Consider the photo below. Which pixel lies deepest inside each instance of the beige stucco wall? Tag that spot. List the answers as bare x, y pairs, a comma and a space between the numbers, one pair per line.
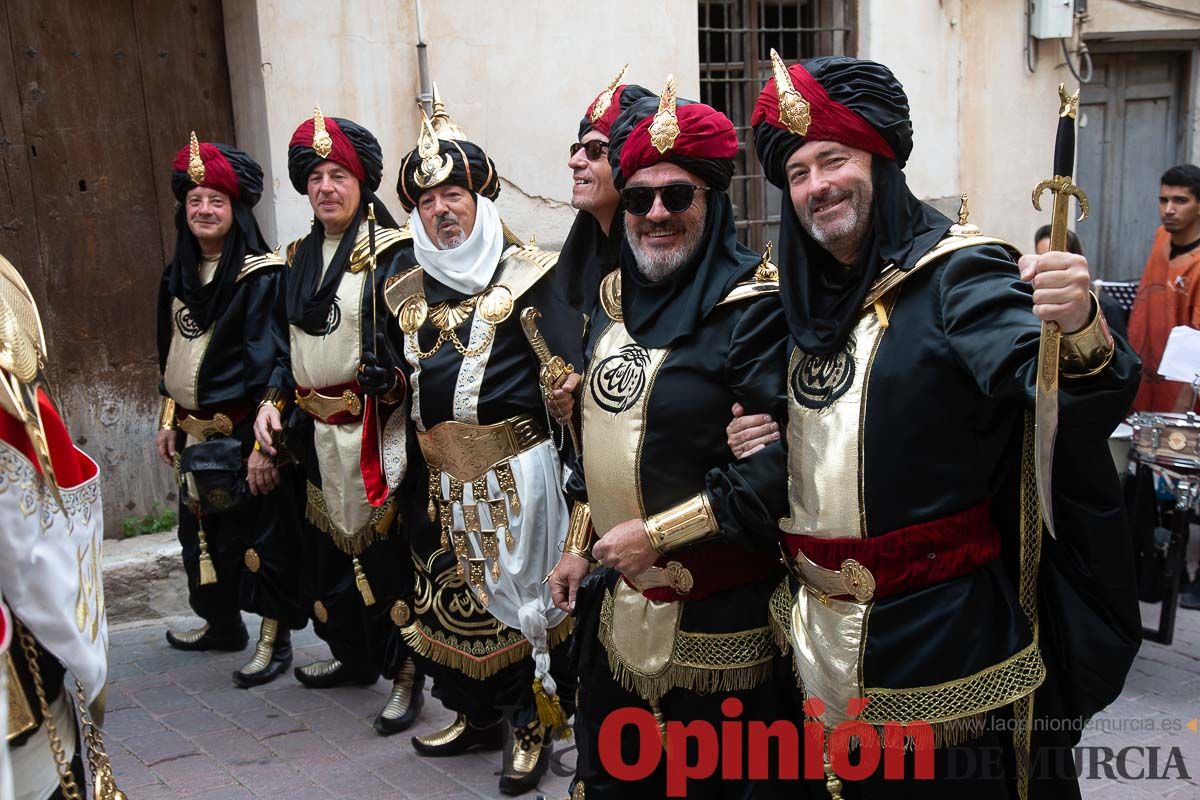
516, 76
983, 123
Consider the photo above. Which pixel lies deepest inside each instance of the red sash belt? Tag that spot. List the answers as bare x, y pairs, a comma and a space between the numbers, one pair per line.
713, 568
913, 557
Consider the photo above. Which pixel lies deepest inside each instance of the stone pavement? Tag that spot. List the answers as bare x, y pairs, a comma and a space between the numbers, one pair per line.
178, 729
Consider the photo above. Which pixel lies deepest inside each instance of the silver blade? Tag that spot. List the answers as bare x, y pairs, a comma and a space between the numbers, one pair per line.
1046, 419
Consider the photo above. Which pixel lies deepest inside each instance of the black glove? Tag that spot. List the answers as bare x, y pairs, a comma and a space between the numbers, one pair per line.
376, 376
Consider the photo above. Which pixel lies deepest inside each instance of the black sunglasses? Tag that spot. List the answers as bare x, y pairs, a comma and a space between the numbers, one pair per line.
595, 149
676, 197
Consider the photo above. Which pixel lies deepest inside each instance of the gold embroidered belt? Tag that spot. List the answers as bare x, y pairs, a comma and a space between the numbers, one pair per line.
466, 452
333, 405
201, 424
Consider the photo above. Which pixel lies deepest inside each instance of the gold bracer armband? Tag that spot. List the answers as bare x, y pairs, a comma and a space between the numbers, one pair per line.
580, 531
1087, 352
274, 397
682, 524
166, 415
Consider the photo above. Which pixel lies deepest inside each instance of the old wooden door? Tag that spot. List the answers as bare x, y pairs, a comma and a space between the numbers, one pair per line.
95, 98
1130, 132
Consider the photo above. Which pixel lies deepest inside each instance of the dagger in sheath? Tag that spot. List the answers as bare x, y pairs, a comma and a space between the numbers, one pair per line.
1063, 188
554, 370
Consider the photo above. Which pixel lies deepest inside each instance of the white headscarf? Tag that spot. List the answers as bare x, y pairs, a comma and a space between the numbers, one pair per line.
468, 268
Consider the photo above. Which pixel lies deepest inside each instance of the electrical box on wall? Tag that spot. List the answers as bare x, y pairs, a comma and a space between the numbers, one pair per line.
1052, 19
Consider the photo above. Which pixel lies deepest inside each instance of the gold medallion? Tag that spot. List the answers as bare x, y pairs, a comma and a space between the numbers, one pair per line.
400, 613
496, 304
319, 612
413, 313
857, 580
253, 562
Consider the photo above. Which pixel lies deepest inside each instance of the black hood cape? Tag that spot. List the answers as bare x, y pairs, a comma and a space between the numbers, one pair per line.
309, 293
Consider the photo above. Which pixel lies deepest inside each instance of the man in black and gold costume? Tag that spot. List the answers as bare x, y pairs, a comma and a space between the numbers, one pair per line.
339, 371
678, 622
489, 526
51, 531
593, 244
922, 582
216, 352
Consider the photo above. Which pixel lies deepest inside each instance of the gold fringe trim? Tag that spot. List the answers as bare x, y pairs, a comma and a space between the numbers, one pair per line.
949, 733
446, 650
780, 606
701, 663
352, 544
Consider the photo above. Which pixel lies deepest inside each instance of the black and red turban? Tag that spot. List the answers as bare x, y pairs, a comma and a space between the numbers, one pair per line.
603, 111
232, 172
213, 165
334, 139
854, 102
704, 141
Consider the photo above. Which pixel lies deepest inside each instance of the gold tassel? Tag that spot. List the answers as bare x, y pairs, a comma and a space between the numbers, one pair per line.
881, 312
550, 711
833, 784
659, 720
364, 588
208, 573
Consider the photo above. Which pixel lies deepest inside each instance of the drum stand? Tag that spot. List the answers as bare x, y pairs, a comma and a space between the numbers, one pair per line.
1187, 490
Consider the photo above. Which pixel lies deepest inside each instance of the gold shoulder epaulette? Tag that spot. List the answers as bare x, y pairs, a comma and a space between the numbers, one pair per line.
766, 281
22, 340
610, 295
289, 253
400, 288
385, 239
255, 263
891, 277
523, 266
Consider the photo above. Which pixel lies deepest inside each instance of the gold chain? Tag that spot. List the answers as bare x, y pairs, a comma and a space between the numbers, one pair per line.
97, 755
66, 779
443, 317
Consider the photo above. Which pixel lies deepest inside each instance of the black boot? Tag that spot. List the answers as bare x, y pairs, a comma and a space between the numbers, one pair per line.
331, 672
208, 638
272, 656
460, 737
529, 760
404, 703
1189, 594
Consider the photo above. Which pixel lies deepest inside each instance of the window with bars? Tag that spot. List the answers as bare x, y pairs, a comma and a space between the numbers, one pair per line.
736, 37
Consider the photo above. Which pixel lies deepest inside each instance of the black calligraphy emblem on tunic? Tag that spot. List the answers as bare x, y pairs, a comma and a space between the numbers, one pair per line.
619, 380
333, 320
818, 381
186, 324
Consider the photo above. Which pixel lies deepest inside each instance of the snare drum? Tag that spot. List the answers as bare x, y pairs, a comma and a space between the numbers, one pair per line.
1171, 440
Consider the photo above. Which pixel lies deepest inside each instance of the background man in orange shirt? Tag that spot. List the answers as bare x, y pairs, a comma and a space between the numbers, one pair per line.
1169, 293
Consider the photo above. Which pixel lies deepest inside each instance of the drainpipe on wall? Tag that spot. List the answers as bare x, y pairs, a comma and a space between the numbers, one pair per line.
425, 98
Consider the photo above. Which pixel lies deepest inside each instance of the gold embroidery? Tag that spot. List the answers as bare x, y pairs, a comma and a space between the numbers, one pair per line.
653, 656
351, 543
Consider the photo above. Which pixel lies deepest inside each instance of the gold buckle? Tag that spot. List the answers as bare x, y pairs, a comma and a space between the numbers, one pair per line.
325, 407
201, 429
673, 576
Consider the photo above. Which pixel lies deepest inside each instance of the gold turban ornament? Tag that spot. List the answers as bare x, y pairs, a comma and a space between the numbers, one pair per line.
604, 99
195, 163
665, 127
322, 143
794, 111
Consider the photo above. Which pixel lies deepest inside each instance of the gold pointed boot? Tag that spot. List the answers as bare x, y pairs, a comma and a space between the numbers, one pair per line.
404, 703
529, 760
332, 672
460, 737
272, 656
207, 638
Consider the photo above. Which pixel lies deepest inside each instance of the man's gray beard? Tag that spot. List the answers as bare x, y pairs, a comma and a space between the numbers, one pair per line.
452, 243
852, 226
659, 266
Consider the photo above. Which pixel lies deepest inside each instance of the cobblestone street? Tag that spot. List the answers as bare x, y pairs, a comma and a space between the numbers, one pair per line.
178, 728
